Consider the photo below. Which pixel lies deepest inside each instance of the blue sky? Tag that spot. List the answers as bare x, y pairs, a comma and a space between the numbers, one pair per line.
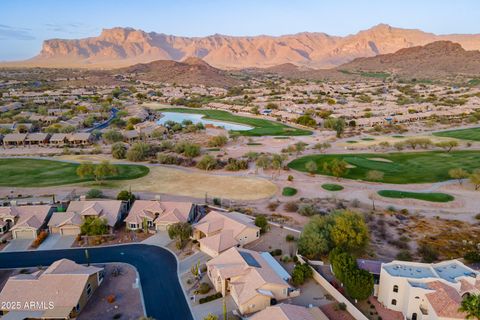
24, 24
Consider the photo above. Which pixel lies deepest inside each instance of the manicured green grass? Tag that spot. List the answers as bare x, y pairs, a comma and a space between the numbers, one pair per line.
261, 127
368, 139
399, 136
43, 173
254, 144
425, 196
332, 187
378, 75
289, 191
404, 167
464, 134
352, 141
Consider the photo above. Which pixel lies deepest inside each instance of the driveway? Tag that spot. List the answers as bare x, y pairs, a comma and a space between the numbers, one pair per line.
18, 245
160, 239
57, 241
187, 263
163, 296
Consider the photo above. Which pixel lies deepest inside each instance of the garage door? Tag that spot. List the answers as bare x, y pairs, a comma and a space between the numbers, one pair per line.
70, 231
24, 234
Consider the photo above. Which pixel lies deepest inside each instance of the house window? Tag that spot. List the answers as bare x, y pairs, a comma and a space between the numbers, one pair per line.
394, 302
395, 288
133, 226
258, 234
77, 307
89, 289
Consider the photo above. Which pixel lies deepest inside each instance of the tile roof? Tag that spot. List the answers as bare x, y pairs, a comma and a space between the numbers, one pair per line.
246, 279
62, 284
108, 209
286, 311
27, 216
445, 300
59, 219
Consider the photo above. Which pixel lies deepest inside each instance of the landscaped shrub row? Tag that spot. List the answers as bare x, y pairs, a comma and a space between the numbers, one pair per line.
209, 298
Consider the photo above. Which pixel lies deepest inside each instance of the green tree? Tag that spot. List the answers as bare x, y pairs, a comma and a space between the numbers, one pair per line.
342, 263
336, 124
359, 284
94, 226
311, 167
138, 152
262, 223
103, 170
126, 195
301, 273
471, 306
459, 174
315, 239
447, 145
180, 232
94, 194
85, 169
349, 230
475, 178
112, 136
336, 168
119, 150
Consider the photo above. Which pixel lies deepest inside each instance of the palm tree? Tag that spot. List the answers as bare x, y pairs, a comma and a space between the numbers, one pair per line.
471, 306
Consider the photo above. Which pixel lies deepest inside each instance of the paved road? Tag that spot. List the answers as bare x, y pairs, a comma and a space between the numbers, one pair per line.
162, 293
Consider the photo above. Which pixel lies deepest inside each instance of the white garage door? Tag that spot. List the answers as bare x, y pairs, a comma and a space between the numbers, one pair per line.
70, 231
24, 234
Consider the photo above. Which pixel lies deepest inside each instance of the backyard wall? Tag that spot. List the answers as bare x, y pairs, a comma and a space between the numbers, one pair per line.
357, 314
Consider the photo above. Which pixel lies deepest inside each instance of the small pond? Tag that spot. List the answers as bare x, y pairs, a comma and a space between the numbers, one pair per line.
196, 118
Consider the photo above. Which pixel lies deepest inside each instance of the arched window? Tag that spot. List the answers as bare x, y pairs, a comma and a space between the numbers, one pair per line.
394, 302
395, 288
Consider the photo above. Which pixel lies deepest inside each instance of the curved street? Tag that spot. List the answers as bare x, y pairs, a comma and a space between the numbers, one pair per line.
163, 296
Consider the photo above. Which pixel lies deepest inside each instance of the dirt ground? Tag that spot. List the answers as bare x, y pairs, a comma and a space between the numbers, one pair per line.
127, 297
332, 313
197, 184
273, 239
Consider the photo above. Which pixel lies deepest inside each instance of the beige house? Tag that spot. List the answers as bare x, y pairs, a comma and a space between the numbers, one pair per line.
286, 311
219, 231
14, 139
59, 139
80, 138
25, 222
111, 210
253, 282
65, 223
59, 292
157, 214
37, 138
422, 291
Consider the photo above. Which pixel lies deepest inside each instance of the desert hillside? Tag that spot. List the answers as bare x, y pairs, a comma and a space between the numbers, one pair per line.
191, 71
437, 59
120, 47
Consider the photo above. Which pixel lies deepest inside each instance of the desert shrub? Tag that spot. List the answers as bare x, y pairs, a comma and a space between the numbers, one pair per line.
307, 210
404, 255
276, 252
428, 253
203, 288
290, 238
272, 206
262, 223
301, 273
472, 256
291, 206
94, 194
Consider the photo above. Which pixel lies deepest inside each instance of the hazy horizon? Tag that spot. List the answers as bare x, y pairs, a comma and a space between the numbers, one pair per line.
25, 24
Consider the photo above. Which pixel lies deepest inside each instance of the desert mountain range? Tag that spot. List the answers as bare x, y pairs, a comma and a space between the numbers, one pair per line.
121, 47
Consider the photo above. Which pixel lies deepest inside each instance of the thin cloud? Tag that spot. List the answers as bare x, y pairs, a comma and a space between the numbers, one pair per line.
69, 28
10, 32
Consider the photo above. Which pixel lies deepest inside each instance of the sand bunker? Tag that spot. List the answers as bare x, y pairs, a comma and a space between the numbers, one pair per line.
380, 159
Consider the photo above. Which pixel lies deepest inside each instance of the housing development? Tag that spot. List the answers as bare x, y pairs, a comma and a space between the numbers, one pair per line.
290, 177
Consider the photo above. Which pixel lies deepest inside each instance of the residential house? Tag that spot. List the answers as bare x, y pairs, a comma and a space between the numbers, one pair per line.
80, 138
65, 223
37, 138
219, 231
253, 283
25, 222
59, 139
110, 210
59, 292
14, 139
285, 311
422, 291
158, 215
